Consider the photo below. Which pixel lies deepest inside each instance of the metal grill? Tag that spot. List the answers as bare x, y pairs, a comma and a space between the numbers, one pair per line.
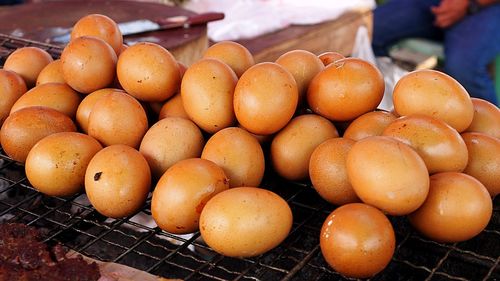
136, 242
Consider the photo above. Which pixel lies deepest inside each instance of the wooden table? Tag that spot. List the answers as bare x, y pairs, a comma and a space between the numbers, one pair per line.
335, 35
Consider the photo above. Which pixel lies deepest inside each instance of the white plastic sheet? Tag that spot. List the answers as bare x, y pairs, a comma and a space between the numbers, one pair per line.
251, 18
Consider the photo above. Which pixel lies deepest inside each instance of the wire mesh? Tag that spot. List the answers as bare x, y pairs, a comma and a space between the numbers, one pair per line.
135, 241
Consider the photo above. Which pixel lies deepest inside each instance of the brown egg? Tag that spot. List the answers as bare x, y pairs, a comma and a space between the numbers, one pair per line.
117, 181
56, 164
440, 146
28, 62
245, 221
387, 174
118, 118
292, 147
265, 98
58, 96
457, 208
346, 89
51, 73
148, 72
182, 192
207, 91
25, 127
328, 174
88, 64
169, 141
182, 68
357, 240
12, 87
484, 160
86, 105
486, 118
122, 48
436, 94
330, 57
369, 124
99, 26
153, 107
303, 65
173, 107
239, 154
233, 54
262, 139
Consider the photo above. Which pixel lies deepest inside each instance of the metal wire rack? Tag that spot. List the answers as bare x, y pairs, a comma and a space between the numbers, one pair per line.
136, 242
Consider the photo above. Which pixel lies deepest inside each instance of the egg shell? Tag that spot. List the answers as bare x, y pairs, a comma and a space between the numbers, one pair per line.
387, 174
28, 62
369, 124
457, 208
86, 105
173, 107
51, 73
169, 141
100, 26
148, 72
486, 118
118, 118
182, 68
233, 54
357, 240
122, 48
440, 146
58, 96
328, 173
56, 164
245, 221
88, 64
292, 147
207, 91
346, 89
265, 98
153, 107
262, 139
117, 181
303, 65
182, 192
435, 94
25, 127
484, 160
329, 57
12, 87
239, 154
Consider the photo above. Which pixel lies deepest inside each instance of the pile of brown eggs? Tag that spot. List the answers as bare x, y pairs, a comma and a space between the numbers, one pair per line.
121, 121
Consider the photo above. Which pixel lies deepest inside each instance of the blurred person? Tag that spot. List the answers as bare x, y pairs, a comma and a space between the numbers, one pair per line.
469, 30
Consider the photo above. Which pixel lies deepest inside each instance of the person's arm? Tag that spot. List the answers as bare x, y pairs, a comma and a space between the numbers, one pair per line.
449, 12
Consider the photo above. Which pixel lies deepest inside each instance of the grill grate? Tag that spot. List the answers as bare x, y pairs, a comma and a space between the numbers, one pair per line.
136, 242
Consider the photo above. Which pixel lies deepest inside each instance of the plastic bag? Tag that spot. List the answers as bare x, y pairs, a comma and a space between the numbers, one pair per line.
246, 19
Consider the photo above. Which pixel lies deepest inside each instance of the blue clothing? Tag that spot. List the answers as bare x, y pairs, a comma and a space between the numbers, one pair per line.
10, 2
470, 45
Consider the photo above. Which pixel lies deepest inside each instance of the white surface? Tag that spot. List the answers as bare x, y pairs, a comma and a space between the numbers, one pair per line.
251, 18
